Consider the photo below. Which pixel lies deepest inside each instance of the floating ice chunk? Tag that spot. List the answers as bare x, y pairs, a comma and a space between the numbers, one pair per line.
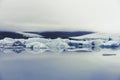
111, 45
37, 46
42, 40
57, 45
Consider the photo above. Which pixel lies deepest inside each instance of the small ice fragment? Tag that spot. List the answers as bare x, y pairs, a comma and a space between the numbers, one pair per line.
109, 54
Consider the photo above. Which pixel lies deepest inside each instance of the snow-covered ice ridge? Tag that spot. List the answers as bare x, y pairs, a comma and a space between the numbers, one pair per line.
87, 43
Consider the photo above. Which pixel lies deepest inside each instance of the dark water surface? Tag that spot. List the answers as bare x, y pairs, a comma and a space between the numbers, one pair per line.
72, 66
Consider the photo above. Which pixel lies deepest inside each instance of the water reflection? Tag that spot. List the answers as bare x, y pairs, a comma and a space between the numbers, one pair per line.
60, 67
17, 47
19, 50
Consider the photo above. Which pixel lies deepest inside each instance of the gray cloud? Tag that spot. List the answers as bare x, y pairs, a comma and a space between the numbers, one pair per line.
60, 15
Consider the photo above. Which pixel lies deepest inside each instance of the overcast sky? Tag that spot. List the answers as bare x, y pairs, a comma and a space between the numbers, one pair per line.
40, 15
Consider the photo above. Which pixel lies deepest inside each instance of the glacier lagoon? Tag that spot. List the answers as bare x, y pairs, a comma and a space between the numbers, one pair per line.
89, 57
60, 66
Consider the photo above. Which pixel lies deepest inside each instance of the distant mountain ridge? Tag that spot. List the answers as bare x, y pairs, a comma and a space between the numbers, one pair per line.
46, 34
61, 34
11, 34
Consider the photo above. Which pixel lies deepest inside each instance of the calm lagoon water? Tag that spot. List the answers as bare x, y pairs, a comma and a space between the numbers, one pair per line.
56, 66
